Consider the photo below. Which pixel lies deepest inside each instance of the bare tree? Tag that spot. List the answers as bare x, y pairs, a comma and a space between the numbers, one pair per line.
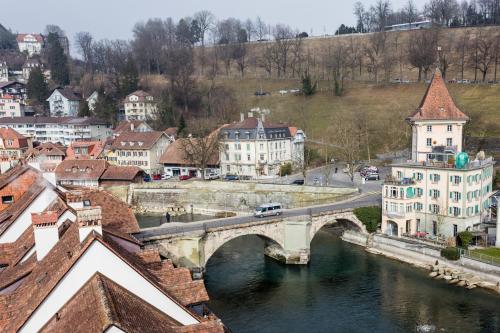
422, 51
205, 20
202, 148
84, 45
283, 41
486, 53
381, 12
374, 51
260, 28
462, 46
442, 11
410, 12
348, 139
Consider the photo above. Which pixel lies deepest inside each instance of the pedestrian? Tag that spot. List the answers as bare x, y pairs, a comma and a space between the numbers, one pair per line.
336, 169
167, 216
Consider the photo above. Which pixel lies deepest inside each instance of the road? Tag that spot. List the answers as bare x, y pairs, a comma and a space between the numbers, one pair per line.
363, 200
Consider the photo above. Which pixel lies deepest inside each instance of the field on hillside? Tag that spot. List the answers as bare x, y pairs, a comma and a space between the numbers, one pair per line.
385, 107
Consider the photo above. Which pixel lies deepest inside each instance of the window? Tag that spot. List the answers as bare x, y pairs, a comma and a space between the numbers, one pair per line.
399, 175
237, 146
261, 157
409, 208
449, 128
7, 199
420, 176
449, 141
434, 194
429, 142
455, 196
394, 192
248, 157
418, 225
226, 155
261, 146
455, 227
455, 180
419, 206
433, 208
429, 128
86, 203
434, 228
408, 226
419, 191
248, 146
454, 211
434, 177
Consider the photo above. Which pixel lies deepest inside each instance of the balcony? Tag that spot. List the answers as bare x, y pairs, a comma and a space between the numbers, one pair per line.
394, 215
390, 180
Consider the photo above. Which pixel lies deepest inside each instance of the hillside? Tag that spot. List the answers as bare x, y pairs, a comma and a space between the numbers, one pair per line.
383, 106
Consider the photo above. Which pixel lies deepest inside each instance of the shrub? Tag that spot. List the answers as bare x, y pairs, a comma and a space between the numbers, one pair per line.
286, 169
450, 253
465, 238
371, 217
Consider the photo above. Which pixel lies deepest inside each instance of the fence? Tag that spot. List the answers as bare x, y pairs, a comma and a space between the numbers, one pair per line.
480, 257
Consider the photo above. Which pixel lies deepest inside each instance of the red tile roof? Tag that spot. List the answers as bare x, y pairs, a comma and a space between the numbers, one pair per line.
437, 103
44, 218
114, 172
18, 140
47, 149
94, 150
136, 140
38, 37
129, 126
80, 169
141, 94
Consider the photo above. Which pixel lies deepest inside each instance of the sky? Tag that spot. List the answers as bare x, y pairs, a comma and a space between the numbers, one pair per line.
114, 19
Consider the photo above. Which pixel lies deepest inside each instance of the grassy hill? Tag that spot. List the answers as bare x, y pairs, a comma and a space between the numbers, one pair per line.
384, 106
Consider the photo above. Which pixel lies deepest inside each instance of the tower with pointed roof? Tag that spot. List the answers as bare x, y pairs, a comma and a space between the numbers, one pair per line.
437, 124
438, 191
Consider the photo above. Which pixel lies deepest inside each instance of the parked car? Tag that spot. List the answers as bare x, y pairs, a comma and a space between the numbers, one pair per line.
261, 93
231, 177
283, 92
367, 170
298, 182
212, 175
165, 176
269, 209
157, 177
372, 176
295, 91
147, 178
185, 177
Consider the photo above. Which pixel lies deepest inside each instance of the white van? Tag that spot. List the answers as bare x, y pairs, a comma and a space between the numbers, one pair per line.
269, 209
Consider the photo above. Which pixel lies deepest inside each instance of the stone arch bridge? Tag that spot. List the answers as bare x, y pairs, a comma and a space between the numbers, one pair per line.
287, 238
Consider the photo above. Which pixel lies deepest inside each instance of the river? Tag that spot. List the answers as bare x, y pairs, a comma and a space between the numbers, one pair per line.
343, 289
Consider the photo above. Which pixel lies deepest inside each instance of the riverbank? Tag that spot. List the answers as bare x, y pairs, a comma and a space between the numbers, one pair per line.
463, 272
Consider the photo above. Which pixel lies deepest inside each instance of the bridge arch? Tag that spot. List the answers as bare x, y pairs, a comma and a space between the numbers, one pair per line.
215, 240
320, 221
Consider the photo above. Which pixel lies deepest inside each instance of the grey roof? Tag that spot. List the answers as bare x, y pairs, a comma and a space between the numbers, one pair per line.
68, 93
253, 128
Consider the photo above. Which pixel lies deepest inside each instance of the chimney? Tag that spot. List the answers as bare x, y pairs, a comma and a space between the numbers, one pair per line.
132, 127
45, 231
75, 199
263, 117
89, 220
242, 116
250, 114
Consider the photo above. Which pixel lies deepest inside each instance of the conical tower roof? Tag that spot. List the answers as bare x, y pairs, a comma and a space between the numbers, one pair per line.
437, 103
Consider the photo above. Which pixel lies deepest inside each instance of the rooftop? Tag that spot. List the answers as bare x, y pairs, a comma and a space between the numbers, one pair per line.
136, 140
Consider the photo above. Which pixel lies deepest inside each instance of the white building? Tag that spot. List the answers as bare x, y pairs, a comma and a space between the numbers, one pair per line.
64, 130
4, 72
30, 43
438, 191
142, 149
64, 103
253, 147
29, 64
92, 100
139, 105
10, 106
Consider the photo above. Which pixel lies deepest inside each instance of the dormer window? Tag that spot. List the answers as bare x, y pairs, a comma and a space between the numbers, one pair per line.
86, 203
123, 143
441, 109
7, 199
140, 143
131, 143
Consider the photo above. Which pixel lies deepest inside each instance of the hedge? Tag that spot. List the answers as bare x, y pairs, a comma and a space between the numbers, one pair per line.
450, 253
371, 217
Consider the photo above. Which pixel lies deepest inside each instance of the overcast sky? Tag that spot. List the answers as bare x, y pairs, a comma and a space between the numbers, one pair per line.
115, 18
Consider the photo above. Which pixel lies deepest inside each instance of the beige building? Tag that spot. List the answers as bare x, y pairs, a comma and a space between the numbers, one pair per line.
254, 147
139, 105
10, 106
439, 191
142, 149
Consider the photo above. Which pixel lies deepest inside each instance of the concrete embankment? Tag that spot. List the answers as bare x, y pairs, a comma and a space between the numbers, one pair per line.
464, 272
203, 197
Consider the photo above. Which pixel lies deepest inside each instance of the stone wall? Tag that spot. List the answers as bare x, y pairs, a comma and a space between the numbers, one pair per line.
236, 196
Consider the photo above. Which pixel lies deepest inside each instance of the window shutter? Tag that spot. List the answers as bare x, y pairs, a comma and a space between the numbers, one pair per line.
451, 179
451, 195
430, 176
449, 210
459, 196
430, 193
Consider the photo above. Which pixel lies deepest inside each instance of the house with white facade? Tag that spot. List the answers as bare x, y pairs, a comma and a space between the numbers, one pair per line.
440, 190
30, 43
29, 65
92, 100
64, 102
142, 149
64, 130
140, 105
254, 147
15, 89
10, 106
4, 72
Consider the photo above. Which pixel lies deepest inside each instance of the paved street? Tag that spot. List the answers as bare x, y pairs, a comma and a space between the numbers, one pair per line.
363, 200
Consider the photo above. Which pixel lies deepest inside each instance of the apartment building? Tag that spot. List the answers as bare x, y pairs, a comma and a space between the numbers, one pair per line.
64, 130
64, 102
30, 43
254, 147
10, 106
440, 191
142, 149
139, 105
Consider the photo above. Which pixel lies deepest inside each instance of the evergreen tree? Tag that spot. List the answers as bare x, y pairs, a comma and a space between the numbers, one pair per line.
166, 114
37, 87
84, 110
182, 126
308, 88
7, 39
57, 60
105, 107
130, 77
